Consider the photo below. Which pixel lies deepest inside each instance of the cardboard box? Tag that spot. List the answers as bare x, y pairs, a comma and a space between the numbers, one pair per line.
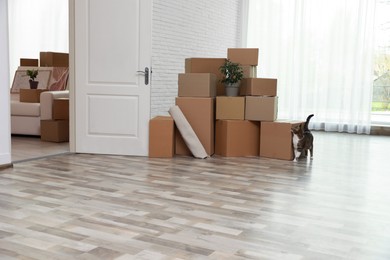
60, 109
161, 137
200, 114
197, 85
249, 71
55, 130
29, 62
207, 65
261, 108
258, 87
54, 59
244, 56
30, 95
230, 108
235, 138
276, 139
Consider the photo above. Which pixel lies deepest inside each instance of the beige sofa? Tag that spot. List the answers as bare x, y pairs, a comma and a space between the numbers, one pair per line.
26, 117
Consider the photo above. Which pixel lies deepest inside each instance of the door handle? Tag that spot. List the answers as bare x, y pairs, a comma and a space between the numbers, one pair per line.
146, 74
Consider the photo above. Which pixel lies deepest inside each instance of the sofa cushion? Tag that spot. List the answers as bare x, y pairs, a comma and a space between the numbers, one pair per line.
24, 108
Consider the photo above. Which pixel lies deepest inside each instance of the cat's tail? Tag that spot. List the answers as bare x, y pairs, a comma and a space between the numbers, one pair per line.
306, 126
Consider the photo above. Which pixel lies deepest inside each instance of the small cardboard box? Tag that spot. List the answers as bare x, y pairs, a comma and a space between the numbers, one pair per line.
29, 62
276, 139
230, 108
249, 71
55, 130
244, 56
234, 138
60, 109
30, 95
53, 59
207, 65
200, 114
261, 108
161, 137
197, 85
258, 87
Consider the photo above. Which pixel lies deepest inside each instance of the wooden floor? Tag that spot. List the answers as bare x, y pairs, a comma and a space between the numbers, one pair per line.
81, 206
26, 147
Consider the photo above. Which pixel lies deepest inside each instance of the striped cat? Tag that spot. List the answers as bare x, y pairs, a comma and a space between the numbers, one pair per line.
302, 140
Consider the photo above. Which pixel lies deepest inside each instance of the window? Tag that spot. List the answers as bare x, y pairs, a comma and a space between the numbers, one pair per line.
381, 86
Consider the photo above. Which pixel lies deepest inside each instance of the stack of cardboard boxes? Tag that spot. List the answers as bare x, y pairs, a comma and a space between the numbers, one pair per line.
198, 87
234, 134
229, 126
57, 129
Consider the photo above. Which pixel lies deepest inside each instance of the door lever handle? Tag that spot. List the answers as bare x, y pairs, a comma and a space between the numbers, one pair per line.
146, 74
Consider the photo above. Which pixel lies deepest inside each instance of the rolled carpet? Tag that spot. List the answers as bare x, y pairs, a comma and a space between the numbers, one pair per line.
188, 134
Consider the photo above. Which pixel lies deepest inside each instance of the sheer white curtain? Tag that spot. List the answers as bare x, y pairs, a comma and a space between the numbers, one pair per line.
321, 53
35, 26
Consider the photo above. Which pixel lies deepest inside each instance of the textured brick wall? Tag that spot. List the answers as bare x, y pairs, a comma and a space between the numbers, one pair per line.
184, 29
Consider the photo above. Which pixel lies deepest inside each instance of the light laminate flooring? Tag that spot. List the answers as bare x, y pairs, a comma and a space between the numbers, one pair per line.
24, 147
83, 206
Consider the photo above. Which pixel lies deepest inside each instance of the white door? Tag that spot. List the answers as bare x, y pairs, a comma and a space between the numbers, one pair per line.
112, 99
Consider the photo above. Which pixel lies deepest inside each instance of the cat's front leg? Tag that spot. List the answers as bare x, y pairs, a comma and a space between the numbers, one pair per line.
297, 155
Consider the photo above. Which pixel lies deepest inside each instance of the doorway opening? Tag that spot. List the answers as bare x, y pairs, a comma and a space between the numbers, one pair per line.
34, 27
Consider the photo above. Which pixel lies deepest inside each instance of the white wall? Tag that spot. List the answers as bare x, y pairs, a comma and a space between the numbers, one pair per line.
184, 29
5, 129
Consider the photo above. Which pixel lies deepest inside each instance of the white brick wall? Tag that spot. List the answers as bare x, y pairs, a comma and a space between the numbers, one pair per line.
184, 29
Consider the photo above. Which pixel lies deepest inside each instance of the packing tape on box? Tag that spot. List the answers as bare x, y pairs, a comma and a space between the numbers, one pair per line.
188, 134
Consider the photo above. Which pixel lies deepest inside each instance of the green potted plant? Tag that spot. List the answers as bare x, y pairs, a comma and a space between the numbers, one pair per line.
232, 77
33, 74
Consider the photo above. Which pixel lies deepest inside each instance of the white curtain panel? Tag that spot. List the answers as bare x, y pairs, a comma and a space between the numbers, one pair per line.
35, 26
321, 52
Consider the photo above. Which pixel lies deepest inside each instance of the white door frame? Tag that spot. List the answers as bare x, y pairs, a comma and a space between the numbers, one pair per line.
72, 109
5, 113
